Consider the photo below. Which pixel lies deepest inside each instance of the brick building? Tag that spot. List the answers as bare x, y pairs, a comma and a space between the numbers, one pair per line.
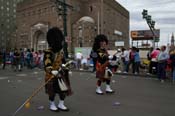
85, 19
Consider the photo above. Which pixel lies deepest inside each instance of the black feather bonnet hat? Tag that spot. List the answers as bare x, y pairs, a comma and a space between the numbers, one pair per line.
55, 39
99, 38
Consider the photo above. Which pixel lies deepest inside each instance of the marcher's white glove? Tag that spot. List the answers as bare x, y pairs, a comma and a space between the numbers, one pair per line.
67, 64
110, 57
63, 65
54, 72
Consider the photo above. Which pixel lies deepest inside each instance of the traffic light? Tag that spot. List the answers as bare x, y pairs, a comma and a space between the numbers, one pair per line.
148, 19
145, 13
153, 24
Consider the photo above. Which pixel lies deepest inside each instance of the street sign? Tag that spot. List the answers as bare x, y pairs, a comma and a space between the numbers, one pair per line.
119, 43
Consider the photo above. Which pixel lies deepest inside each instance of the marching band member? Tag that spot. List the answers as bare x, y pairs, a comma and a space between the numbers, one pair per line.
56, 71
103, 74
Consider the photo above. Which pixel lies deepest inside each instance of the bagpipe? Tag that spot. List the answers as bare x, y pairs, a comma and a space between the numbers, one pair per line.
63, 77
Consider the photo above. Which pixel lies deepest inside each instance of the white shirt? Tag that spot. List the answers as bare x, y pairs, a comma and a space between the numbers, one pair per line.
125, 55
78, 55
84, 61
163, 55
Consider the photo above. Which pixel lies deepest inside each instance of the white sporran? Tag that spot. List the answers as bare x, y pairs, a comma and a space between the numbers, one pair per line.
108, 73
62, 85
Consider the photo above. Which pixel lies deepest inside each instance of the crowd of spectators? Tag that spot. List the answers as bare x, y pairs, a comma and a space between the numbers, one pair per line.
125, 60
20, 58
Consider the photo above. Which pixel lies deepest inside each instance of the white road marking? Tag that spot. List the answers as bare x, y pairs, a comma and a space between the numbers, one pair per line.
35, 72
2, 78
21, 75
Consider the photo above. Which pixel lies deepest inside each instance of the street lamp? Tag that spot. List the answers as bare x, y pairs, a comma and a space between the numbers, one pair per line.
62, 7
150, 23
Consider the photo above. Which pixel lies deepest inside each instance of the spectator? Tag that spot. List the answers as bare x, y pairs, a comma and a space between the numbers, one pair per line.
3, 59
17, 60
118, 55
93, 55
153, 63
149, 53
12, 57
22, 59
172, 58
131, 58
162, 61
41, 55
84, 63
29, 58
125, 59
136, 61
78, 57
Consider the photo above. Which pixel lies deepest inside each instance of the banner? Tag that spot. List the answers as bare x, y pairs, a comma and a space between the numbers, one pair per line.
144, 34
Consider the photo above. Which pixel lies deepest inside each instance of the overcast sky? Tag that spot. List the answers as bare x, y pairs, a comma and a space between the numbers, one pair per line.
162, 11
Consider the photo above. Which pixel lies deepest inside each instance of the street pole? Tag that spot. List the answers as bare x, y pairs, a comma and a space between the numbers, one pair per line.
65, 28
101, 7
63, 13
154, 38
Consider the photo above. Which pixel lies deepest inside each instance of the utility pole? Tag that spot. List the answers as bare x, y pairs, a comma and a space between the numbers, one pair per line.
102, 17
62, 8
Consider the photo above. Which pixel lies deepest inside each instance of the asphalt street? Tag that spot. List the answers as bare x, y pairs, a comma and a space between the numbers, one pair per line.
134, 95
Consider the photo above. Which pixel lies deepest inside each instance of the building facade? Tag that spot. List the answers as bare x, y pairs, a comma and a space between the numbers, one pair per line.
85, 19
7, 22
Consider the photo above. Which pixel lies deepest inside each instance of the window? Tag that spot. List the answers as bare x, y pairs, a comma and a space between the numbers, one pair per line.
2, 7
39, 11
8, 20
14, 5
8, 27
91, 8
7, 3
8, 8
